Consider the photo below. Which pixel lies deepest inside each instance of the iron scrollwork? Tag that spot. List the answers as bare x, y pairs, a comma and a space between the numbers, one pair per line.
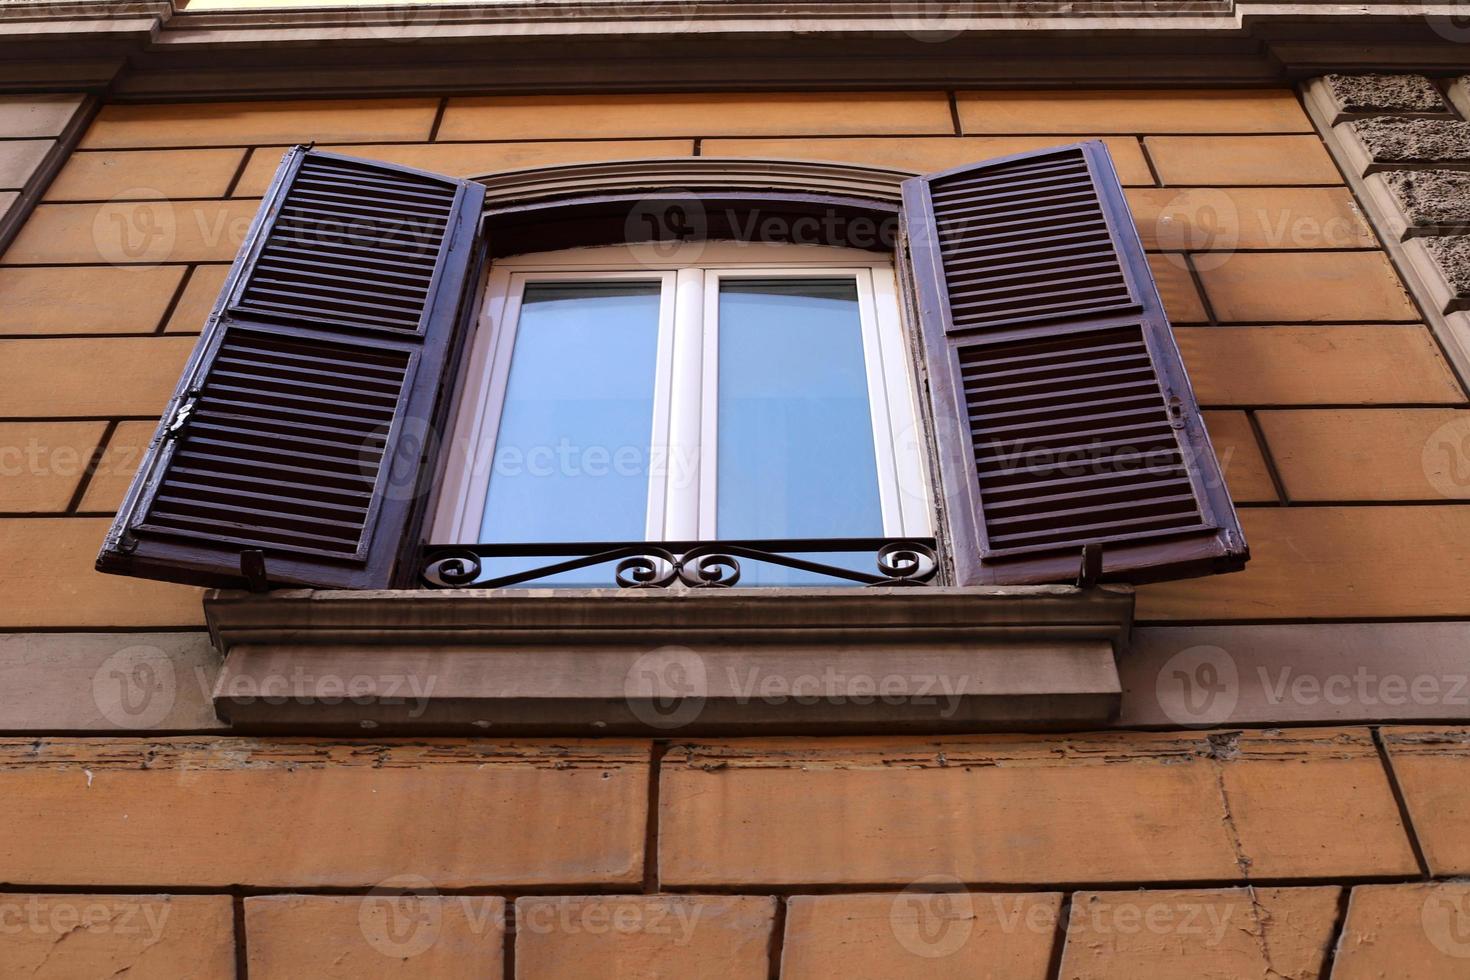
694, 565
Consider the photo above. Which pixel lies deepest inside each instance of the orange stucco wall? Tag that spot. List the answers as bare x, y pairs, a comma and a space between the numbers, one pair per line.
1337, 421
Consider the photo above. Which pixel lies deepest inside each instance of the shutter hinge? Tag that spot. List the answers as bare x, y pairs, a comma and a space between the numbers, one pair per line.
1176, 412
1091, 568
252, 569
180, 419
120, 541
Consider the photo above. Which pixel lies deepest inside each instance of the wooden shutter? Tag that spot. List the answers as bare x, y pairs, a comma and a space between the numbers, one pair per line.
1063, 416
303, 420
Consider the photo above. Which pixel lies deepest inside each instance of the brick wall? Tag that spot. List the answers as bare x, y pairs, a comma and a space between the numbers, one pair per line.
1327, 398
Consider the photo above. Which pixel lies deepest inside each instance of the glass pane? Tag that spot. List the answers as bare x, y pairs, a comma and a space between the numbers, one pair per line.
795, 444
571, 456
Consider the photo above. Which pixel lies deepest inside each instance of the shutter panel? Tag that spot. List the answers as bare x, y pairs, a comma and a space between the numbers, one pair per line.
305, 417
1063, 416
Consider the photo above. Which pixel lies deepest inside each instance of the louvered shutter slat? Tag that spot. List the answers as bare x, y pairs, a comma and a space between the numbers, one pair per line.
330, 342
1062, 411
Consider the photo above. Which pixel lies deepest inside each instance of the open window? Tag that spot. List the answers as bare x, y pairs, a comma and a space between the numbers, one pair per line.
365, 389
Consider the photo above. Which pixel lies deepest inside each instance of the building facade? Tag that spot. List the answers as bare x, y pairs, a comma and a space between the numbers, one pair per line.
1204, 713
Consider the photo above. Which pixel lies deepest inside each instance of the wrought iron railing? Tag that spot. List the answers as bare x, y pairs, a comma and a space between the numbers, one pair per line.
691, 564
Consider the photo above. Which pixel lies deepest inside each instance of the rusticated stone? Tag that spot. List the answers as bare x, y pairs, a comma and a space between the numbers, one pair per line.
1451, 253
1384, 93
1392, 139
1431, 197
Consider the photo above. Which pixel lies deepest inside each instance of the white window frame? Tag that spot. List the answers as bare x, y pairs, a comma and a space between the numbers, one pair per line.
681, 501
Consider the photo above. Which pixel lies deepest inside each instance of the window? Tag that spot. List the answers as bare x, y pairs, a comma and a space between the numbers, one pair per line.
629, 395
723, 392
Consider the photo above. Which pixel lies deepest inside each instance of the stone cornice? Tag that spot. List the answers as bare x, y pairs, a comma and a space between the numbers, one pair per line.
150, 49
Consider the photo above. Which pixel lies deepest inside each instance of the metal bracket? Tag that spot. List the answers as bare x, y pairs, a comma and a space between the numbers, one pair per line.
1176, 413
252, 566
180, 418
1092, 566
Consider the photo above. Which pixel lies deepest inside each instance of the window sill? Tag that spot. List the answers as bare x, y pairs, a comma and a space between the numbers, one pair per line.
670, 662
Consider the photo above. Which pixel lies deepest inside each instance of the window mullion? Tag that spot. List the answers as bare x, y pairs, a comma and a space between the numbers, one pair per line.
709, 415
677, 461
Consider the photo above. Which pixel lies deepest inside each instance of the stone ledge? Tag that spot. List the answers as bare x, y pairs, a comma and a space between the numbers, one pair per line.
554, 661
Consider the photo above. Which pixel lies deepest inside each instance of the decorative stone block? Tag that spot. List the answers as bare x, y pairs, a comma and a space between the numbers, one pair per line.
1393, 140
1421, 202
1451, 255
1384, 93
